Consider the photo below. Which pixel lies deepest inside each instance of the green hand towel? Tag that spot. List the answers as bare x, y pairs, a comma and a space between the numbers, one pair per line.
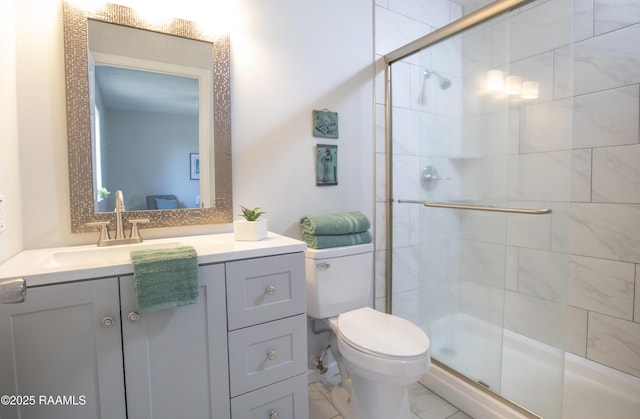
337, 223
324, 241
165, 278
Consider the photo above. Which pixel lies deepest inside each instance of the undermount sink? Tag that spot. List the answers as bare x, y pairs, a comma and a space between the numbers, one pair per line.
98, 256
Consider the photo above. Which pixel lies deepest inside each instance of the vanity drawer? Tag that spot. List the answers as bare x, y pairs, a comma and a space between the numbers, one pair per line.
287, 399
265, 289
270, 352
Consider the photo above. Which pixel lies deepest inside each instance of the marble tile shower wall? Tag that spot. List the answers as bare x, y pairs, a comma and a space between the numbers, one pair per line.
604, 293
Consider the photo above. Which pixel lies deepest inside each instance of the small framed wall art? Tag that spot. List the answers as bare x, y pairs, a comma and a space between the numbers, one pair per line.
195, 166
326, 165
325, 124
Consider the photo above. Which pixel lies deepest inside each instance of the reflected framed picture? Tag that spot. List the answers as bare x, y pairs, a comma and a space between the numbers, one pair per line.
326, 165
195, 166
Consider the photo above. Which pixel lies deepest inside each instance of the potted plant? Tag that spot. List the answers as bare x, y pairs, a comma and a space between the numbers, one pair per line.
250, 228
103, 193
101, 202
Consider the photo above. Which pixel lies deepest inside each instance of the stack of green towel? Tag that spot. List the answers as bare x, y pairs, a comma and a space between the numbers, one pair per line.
321, 231
165, 278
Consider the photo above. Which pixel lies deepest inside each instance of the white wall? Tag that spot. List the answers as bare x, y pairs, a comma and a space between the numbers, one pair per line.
41, 115
288, 58
11, 238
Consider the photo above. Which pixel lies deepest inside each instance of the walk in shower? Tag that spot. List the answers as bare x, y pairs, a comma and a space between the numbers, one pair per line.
479, 120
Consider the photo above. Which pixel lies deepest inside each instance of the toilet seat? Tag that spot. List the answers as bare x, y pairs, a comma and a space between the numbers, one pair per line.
382, 335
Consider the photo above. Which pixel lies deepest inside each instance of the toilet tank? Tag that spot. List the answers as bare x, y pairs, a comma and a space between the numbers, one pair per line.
339, 279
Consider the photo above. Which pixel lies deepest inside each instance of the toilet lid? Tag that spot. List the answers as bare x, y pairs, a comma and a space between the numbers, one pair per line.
382, 334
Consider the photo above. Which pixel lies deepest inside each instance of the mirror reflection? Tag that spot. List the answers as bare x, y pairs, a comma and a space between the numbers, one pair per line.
145, 111
148, 112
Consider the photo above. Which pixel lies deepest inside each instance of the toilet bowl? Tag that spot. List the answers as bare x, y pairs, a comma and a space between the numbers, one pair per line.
381, 354
383, 345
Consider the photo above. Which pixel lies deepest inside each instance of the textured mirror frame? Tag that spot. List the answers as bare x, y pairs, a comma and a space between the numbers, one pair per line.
79, 125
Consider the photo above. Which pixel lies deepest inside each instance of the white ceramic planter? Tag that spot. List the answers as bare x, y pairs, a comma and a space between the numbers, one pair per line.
244, 230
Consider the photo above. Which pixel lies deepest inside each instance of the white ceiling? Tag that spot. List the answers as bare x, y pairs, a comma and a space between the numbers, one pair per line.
128, 89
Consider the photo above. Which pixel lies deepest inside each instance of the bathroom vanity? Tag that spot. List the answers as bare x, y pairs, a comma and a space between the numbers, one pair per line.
78, 348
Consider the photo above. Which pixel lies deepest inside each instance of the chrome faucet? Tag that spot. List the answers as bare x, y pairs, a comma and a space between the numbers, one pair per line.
134, 237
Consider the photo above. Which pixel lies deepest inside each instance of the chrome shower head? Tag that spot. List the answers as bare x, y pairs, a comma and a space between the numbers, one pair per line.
444, 82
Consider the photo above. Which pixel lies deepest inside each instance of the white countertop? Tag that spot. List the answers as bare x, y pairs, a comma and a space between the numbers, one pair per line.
63, 264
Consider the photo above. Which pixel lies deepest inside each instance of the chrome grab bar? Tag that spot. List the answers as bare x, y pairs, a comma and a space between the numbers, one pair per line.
541, 211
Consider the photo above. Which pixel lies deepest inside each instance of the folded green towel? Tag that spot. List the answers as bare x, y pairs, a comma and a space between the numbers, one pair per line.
165, 278
316, 241
337, 223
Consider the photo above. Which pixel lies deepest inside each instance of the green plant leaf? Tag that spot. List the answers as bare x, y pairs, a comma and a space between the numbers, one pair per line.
251, 214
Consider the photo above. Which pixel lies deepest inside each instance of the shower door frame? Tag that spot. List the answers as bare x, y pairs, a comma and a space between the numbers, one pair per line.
492, 10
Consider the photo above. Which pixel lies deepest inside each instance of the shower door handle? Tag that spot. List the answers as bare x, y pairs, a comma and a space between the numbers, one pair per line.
452, 205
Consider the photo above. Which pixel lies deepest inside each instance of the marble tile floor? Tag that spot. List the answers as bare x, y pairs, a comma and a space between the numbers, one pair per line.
424, 404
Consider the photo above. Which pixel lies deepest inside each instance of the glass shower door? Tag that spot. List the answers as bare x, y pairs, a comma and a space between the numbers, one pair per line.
477, 119
448, 264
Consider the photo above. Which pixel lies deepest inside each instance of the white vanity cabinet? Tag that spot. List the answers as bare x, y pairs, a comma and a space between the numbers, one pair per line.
80, 347
61, 353
71, 340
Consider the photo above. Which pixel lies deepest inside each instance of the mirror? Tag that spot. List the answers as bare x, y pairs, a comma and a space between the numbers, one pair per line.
150, 115
176, 169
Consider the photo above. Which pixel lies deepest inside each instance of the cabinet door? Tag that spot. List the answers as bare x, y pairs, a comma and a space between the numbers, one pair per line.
61, 352
176, 360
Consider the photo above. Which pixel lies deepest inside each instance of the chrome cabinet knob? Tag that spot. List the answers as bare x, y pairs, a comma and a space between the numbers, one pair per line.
270, 290
107, 322
134, 317
272, 355
274, 415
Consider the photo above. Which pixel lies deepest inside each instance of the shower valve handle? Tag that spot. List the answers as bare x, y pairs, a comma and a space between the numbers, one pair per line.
431, 177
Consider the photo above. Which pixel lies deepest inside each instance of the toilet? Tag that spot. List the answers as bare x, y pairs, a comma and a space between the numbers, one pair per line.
379, 355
